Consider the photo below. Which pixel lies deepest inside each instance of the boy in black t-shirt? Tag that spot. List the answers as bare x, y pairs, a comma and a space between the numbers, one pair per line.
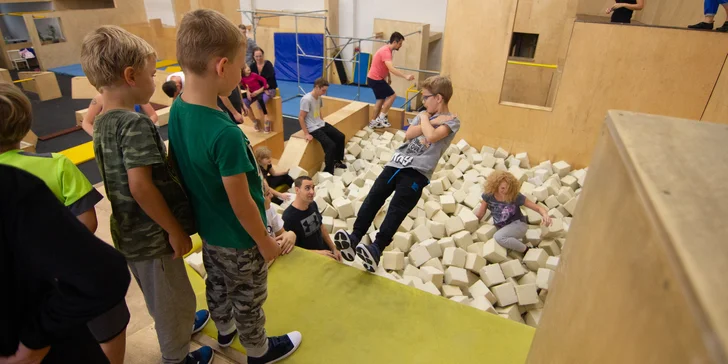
304, 219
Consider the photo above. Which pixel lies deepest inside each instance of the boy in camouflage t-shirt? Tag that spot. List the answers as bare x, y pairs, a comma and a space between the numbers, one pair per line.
132, 160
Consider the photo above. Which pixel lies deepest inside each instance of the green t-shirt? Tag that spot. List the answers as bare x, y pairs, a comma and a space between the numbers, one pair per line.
61, 176
207, 145
124, 140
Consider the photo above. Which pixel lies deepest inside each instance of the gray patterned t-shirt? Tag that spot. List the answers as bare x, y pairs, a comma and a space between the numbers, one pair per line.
505, 213
421, 155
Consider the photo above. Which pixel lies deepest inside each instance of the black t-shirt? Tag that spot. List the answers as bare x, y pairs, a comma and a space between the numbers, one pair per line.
623, 15
268, 72
307, 226
235, 99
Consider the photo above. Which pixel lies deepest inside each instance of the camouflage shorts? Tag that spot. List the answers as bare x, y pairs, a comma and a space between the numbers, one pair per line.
236, 290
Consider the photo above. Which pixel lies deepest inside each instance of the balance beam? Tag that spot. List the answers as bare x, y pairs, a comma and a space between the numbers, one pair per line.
381, 321
80, 153
309, 155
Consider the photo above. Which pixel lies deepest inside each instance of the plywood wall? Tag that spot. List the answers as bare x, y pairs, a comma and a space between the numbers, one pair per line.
162, 38
76, 24
675, 13
413, 53
527, 85
607, 67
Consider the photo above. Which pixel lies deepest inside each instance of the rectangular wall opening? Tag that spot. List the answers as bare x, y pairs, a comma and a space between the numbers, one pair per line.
523, 46
49, 30
84, 4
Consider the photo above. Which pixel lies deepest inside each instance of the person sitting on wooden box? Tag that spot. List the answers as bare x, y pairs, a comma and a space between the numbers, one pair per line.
277, 180
304, 219
255, 85
314, 127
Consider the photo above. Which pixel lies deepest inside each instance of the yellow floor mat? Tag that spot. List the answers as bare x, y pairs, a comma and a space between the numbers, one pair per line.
173, 69
165, 63
80, 153
349, 316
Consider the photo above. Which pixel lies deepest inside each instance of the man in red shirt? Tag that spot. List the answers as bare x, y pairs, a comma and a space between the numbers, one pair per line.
379, 79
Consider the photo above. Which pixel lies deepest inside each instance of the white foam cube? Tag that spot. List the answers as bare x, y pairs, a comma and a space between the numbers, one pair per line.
449, 291
456, 276
535, 258
429, 287
435, 263
446, 242
511, 312
393, 260
494, 252
474, 263
432, 274
527, 278
472, 200
354, 149
552, 202
437, 229
533, 236
454, 225
476, 248
431, 208
544, 278
533, 317
419, 255
411, 271
328, 222
470, 221
440, 217
421, 233
561, 168
482, 303
513, 268
534, 218
296, 172
459, 196
454, 174
527, 294
505, 293
565, 194
570, 205
448, 204
551, 247
402, 241
454, 257
432, 247
500, 153
492, 275
486, 232
462, 145
552, 263
523, 158
556, 229
344, 207
462, 239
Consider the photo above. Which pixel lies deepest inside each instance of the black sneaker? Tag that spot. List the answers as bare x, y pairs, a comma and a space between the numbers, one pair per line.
340, 165
370, 254
723, 28
702, 26
279, 348
225, 340
203, 355
346, 244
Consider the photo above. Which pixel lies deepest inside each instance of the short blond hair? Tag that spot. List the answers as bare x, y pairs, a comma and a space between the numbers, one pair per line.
203, 35
107, 51
16, 115
262, 153
496, 178
439, 85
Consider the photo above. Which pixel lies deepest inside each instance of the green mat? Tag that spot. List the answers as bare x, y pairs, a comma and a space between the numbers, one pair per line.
349, 316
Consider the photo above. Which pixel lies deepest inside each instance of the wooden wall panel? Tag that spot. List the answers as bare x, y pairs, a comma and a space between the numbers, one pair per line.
717, 109
413, 53
639, 286
527, 85
76, 24
607, 67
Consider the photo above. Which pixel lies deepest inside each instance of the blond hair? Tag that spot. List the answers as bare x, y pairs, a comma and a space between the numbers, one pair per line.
205, 34
439, 85
496, 178
107, 51
16, 114
262, 153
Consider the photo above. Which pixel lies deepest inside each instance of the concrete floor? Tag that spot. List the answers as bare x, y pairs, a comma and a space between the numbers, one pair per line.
141, 339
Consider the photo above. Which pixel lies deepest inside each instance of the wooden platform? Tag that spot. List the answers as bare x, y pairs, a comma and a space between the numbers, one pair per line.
642, 275
309, 155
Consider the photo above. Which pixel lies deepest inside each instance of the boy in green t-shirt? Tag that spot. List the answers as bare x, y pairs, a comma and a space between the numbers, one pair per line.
224, 183
144, 196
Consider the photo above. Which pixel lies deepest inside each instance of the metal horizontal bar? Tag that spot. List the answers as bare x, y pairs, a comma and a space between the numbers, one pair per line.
416, 70
531, 64
415, 32
326, 58
358, 39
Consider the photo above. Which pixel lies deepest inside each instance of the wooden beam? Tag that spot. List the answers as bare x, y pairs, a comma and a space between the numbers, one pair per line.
435, 36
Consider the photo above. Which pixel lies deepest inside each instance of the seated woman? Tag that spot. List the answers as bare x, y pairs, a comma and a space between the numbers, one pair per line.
274, 178
255, 85
264, 68
96, 108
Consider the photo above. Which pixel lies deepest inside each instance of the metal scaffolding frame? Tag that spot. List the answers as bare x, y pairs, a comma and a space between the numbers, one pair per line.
252, 16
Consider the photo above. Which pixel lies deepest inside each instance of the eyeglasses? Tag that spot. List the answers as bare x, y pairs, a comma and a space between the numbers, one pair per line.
425, 97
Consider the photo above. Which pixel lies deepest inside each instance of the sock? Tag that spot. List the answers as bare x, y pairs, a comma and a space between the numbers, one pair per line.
382, 115
257, 352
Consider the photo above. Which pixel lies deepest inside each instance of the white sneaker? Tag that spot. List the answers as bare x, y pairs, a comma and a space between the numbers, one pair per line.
385, 122
376, 124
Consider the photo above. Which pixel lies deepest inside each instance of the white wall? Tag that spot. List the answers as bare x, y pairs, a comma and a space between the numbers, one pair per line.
160, 9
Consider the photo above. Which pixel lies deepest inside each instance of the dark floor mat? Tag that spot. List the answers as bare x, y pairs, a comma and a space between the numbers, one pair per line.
290, 126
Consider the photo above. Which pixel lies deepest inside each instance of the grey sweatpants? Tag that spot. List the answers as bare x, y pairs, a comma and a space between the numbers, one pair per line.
511, 236
237, 287
170, 301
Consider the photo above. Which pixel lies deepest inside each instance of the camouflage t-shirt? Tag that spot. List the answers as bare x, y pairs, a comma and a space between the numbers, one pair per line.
124, 140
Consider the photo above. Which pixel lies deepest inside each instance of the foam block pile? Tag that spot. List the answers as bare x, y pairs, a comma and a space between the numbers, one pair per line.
441, 247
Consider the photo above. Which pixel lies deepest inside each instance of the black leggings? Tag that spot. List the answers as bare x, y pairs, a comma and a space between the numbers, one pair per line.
276, 181
407, 185
261, 102
333, 142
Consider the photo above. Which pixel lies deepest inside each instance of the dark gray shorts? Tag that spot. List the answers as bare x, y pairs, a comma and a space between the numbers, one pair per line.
111, 323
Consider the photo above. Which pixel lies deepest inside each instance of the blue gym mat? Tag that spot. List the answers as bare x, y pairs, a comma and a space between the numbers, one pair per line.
292, 107
75, 70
